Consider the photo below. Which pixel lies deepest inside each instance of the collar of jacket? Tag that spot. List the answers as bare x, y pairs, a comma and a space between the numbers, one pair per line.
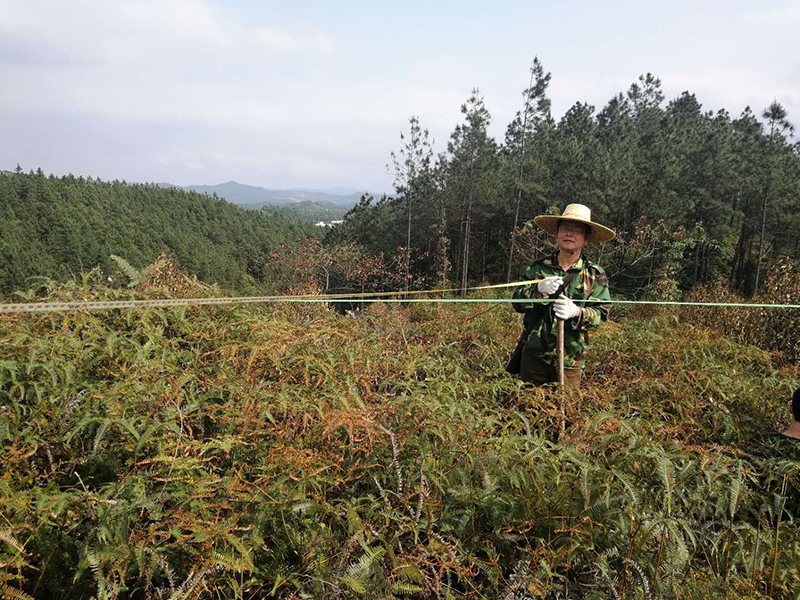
552, 261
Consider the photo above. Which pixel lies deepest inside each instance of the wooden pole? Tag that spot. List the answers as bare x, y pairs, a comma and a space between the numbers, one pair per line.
561, 391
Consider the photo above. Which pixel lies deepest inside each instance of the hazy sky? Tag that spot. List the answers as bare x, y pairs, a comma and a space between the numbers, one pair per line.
315, 94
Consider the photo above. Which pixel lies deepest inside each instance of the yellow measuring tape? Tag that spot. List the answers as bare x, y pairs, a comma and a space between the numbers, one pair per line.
363, 297
341, 298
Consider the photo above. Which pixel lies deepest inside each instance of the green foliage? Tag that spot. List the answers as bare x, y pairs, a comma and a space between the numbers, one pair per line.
309, 211
55, 227
768, 328
133, 275
289, 452
650, 170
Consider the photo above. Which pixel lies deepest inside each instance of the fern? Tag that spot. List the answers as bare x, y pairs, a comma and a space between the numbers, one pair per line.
134, 276
629, 486
643, 579
219, 436
194, 584
14, 594
734, 493
5, 536
666, 472
403, 588
354, 584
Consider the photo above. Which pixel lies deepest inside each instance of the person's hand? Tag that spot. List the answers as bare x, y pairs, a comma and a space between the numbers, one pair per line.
565, 308
549, 285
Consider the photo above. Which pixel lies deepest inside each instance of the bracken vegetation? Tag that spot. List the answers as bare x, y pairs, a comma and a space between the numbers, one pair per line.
286, 451
768, 328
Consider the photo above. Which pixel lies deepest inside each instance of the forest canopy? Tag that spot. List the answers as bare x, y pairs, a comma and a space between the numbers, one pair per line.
57, 227
727, 188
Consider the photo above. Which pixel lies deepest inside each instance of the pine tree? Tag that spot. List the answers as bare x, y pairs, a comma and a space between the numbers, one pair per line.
473, 155
412, 167
779, 126
535, 114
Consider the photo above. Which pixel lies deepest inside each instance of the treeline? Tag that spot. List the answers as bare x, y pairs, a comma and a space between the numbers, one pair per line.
309, 211
694, 195
57, 227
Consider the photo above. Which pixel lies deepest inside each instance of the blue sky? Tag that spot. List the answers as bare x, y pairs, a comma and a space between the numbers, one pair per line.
315, 94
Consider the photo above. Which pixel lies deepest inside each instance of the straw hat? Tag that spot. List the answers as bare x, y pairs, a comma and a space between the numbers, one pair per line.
580, 214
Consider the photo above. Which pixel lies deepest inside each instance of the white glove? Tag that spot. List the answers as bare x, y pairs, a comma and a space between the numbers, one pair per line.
549, 285
565, 308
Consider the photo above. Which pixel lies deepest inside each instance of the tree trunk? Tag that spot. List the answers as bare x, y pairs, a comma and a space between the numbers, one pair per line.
465, 256
467, 227
739, 258
520, 163
408, 242
704, 267
734, 206
761, 239
748, 259
767, 187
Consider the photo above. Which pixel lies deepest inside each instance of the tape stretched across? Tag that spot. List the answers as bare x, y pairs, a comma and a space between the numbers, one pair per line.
389, 297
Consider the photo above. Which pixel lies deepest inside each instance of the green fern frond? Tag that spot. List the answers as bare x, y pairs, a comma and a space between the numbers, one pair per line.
354, 584
130, 272
403, 588
734, 493
14, 594
667, 472
5, 536
305, 507
643, 579
361, 568
629, 486
234, 563
586, 486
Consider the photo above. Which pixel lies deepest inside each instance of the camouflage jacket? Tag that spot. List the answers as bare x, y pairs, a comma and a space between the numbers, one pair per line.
590, 282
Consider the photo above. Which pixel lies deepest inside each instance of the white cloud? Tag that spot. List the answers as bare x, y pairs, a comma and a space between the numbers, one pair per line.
207, 90
733, 88
126, 33
780, 17
281, 40
178, 61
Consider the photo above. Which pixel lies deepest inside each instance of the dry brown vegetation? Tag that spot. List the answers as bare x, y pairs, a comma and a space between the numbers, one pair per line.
768, 328
285, 451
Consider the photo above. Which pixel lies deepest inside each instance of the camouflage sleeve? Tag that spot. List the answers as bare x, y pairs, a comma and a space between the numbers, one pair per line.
528, 291
595, 314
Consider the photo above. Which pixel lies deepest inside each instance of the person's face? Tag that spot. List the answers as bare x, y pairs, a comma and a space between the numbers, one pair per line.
571, 237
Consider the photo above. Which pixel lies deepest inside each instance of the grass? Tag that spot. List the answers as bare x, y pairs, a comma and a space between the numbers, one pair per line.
289, 452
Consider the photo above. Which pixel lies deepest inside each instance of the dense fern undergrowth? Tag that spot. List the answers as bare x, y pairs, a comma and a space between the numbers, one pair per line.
286, 451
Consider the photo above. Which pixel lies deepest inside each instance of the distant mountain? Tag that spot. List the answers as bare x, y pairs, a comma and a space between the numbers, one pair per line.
250, 196
338, 191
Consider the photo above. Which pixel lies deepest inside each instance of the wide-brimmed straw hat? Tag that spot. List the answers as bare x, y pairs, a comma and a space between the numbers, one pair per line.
580, 214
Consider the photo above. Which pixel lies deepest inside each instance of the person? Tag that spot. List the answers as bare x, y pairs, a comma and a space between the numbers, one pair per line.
793, 432
571, 279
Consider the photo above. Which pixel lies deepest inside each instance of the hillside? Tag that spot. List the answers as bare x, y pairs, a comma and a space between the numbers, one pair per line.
255, 197
55, 227
287, 452
309, 211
